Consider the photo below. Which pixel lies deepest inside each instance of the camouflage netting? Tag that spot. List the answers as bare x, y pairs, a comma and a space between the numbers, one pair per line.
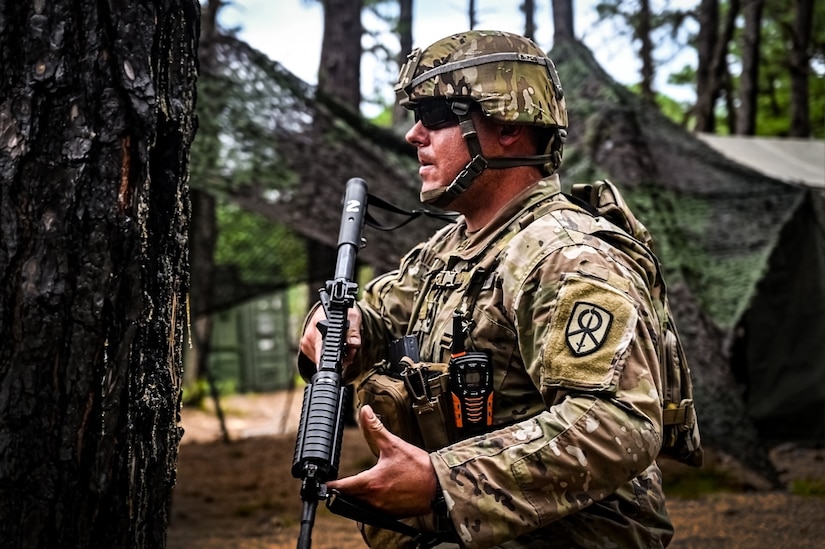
285, 155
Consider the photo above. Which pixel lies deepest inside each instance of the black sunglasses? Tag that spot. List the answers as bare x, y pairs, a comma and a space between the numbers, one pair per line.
435, 114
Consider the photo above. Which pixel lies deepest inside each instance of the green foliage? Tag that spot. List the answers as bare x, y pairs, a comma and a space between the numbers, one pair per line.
808, 487
774, 100
675, 110
262, 251
695, 483
196, 394
383, 118
671, 108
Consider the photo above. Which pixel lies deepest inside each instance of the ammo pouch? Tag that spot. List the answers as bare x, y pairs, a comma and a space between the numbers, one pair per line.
413, 404
680, 428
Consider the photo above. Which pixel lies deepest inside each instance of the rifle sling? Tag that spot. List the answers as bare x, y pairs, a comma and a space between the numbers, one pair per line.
374, 201
359, 512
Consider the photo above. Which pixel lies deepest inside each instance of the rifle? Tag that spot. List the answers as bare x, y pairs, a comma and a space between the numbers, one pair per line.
318, 447
320, 432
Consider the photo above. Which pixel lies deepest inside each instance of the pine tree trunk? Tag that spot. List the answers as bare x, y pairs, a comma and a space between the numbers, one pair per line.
400, 116
749, 81
800, 68
96, 103
563, 29
706, 86
529, 9
646, 52
338, 75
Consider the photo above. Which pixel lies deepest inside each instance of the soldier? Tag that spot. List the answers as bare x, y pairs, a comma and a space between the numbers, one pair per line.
552, 426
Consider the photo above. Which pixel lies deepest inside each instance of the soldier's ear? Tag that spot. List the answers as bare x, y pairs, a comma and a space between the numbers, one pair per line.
510, 133
515, 139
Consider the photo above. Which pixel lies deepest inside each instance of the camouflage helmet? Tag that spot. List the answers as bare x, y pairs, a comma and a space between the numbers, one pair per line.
508, 75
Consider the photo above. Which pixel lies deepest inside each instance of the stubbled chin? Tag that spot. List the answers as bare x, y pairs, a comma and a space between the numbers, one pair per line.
429, 176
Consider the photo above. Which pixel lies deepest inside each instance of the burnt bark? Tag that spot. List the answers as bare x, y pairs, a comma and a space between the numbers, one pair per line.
96, 103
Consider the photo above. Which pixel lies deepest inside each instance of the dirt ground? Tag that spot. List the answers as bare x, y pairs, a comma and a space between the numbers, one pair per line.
241, 495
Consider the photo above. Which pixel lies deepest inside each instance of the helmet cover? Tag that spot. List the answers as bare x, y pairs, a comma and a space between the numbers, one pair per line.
508, 75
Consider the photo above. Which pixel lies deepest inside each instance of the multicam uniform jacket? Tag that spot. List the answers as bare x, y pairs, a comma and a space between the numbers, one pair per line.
571, 323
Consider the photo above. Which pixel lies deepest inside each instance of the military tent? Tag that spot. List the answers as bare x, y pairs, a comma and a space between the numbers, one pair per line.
778, 344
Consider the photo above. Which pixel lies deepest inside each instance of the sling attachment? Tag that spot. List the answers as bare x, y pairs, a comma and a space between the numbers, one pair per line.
365, 514
375, 202
425, 388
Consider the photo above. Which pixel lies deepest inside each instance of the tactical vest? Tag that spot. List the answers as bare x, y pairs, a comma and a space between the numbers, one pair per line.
680, 427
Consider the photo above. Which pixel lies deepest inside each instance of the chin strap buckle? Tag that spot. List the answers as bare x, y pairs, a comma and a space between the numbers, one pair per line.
463, 180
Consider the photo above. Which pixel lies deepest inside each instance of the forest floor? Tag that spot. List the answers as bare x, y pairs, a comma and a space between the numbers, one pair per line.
241, 494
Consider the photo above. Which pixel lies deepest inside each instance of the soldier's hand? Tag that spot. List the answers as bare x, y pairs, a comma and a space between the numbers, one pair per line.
312, 339
402, 483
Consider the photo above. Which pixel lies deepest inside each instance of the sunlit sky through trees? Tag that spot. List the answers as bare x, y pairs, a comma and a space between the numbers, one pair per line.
290, 31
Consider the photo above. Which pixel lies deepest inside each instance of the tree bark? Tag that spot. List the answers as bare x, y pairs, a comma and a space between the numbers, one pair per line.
529, 9
706, 90
96, 120
712, 79
749, 81
339, 73
563, 29
646, 52
800, 68
730, 102
400, 115
721, 72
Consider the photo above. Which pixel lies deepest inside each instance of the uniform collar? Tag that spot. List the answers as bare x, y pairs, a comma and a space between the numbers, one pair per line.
474, 243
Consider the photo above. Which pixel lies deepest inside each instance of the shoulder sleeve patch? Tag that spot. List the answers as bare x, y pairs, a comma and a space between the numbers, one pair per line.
590, 329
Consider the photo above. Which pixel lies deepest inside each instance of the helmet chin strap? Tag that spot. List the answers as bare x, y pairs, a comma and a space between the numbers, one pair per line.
443, 196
